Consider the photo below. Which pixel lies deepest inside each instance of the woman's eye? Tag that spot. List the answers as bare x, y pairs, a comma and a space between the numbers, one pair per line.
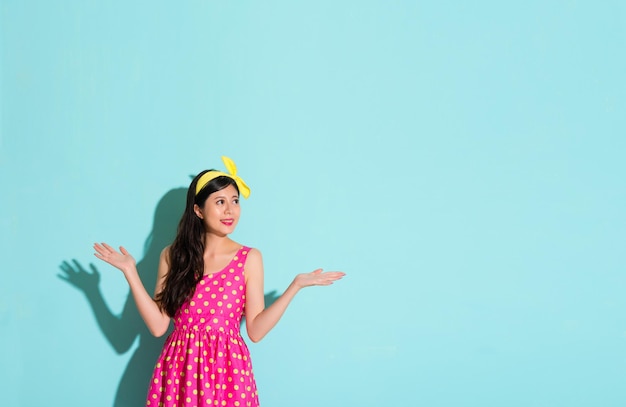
236, 201
220, 202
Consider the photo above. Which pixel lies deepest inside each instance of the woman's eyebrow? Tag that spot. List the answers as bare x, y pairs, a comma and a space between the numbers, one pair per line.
224, 196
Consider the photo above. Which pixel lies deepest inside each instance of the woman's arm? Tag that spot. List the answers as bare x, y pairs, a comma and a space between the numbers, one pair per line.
260, 320
156, 320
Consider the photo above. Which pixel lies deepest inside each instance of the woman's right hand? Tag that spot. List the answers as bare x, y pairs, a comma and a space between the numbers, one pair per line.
121, 260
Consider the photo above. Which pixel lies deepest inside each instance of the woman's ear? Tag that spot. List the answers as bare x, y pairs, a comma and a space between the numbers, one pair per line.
197, 210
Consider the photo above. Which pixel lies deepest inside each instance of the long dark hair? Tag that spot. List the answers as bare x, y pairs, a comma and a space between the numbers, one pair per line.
186, 258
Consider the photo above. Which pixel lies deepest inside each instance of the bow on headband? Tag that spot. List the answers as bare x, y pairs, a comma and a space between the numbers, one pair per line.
232, 173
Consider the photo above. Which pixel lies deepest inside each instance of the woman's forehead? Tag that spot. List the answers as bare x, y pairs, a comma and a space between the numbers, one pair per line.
230, 190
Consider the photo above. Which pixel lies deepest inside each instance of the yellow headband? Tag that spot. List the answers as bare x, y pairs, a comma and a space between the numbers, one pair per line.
232, 173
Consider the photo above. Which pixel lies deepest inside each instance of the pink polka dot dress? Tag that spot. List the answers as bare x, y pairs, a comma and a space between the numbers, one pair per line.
205, 361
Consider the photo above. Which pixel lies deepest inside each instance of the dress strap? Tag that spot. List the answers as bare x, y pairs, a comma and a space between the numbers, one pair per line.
243, 255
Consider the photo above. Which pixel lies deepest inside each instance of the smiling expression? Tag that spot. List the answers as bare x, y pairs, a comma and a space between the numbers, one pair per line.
220, 212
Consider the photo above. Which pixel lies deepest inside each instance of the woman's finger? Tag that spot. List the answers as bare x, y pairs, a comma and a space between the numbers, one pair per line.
108, 247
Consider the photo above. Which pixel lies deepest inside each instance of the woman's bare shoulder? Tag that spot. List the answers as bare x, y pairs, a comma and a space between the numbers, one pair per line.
165, 254
254, 253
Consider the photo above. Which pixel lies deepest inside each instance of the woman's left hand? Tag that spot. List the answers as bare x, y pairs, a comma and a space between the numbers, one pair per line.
317, 277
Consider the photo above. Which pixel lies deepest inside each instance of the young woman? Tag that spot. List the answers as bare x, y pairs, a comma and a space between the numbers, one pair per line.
206, 283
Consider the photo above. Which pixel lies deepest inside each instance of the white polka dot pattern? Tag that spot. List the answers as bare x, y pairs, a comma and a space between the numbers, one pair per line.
205, 361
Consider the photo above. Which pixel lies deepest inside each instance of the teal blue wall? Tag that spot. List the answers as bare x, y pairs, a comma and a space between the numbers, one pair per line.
463, 162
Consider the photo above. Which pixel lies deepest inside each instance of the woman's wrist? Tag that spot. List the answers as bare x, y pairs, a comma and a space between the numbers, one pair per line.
295, 286
130, 272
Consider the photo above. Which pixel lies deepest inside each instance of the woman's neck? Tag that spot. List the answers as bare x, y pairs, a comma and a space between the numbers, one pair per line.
215, 245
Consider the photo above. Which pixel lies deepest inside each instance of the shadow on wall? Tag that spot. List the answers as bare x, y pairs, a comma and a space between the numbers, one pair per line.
122, 330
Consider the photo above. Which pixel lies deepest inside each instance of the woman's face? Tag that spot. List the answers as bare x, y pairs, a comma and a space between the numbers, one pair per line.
220, 212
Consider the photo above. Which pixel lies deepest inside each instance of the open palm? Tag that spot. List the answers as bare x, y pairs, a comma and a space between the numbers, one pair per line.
318, 277
121, 260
